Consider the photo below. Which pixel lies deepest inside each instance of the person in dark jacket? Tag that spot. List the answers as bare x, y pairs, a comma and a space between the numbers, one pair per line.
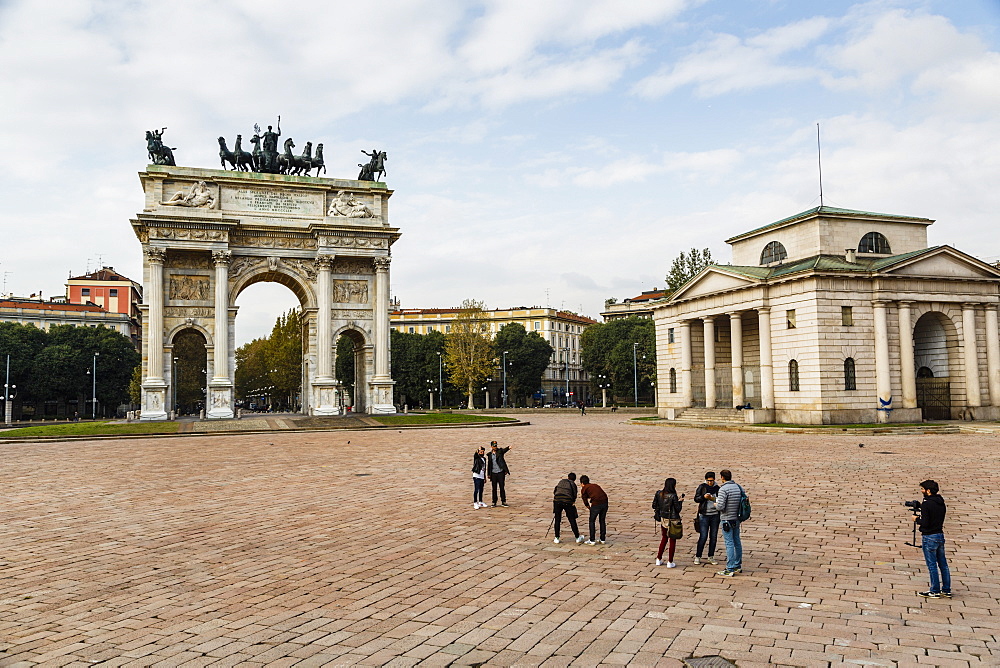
564, 500
930, 521
708, 518
497, 471
596, 499
478, 477
667, 506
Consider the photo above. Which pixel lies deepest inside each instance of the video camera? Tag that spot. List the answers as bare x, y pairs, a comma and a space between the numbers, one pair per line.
914, 507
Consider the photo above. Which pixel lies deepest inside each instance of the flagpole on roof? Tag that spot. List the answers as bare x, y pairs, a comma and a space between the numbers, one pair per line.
819, 158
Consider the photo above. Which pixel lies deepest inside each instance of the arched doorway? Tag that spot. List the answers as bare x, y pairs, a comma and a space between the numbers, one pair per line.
189, 366
353, 368
935, 347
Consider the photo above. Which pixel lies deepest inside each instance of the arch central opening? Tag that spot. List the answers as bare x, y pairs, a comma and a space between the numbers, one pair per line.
935, 345
271, 332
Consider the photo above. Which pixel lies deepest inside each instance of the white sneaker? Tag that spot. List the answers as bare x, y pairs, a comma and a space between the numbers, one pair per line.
589, 542
602, 542
475, 505
712, 561
659, 562
555, 540
579, 539
671, 564
697, 561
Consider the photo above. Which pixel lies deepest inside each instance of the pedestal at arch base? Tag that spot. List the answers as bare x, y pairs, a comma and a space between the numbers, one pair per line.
154, 395
327, 398
381, 394
220, 401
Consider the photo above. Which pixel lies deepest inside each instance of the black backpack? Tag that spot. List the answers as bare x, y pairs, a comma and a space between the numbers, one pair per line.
743, 512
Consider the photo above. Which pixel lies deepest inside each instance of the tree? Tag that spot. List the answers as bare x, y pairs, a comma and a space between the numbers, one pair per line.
252, 371
23, 343
135, 386
468, 349
284, 351
414, 362
608, 351
528, 356
685, 266
190, 367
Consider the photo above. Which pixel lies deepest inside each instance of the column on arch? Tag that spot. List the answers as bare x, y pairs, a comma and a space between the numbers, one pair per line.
907, 368
154, 326
221, 336
766, 361
382, 317
324, 324
973, 391
736, 351
993, 353
686, 356
709, 325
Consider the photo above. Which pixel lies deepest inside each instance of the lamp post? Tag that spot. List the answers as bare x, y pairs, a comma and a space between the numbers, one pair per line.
173, 381
440, 382
430, 392
603, 384
486, 391
505, 379
93, 407
8, 397
566, 352
635, 373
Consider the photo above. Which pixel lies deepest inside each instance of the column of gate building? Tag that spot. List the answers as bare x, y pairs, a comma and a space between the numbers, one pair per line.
209, 234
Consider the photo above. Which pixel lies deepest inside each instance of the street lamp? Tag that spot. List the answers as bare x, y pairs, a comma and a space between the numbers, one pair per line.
486, 391
8, 397
566, 352
635, 373
173, 381
505, 379
604, 385
440, 382
430, 392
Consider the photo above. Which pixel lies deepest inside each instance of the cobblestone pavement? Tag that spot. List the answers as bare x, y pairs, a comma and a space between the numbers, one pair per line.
362, 548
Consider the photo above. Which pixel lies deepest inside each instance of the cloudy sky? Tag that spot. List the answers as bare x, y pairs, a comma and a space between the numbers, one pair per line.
554, 152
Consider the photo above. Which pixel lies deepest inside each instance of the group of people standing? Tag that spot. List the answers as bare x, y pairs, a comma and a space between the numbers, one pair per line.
492, 467
717, 506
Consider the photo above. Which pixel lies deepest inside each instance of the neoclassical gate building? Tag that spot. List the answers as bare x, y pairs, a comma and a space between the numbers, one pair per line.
834, 316
209, 234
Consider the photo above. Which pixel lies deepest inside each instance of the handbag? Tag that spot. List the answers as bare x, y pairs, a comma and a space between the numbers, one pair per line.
697, 524
675, 529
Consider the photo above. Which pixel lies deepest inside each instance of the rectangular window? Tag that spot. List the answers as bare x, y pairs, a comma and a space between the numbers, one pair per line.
410, 330
447, 328
846, 316
538, 325
114, 292
790, 318
430, 328
670, 335
85, 292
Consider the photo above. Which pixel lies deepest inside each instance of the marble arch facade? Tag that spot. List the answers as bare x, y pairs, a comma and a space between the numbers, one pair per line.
208, 234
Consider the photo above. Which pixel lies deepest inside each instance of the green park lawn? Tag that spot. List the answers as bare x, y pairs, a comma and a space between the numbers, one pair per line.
91, 429
436, 418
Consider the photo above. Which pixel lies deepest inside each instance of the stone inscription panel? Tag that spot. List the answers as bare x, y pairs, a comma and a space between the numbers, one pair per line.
264, 200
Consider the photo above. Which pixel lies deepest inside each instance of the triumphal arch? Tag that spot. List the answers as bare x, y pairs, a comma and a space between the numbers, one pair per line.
208, 234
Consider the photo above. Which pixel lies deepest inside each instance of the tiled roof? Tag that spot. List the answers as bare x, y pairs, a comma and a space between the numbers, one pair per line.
827, 210
103, 274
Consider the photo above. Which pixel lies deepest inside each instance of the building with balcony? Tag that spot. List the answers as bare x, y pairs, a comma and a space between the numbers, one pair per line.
113, 293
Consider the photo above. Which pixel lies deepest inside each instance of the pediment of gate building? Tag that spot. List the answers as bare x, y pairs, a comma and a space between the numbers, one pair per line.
946, 264
711, 281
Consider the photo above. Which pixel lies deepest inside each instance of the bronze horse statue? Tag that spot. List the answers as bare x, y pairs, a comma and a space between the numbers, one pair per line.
317, 162
286, 161
159, 153
244, 160
225, 155
375, 166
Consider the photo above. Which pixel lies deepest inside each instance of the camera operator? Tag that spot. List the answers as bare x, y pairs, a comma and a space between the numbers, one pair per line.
930, 521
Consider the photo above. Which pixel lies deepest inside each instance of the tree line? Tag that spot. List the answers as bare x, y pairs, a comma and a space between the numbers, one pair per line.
53, 368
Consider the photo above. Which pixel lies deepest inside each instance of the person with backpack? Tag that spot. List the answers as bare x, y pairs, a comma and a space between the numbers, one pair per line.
564, 500
478, 477
667, 511
596, 499
708, 518
734, 508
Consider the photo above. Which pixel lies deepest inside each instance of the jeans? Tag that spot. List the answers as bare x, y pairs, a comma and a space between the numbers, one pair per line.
734, 547
498, 479
934, 556
708, 531
477, 491
598, 511
571, 513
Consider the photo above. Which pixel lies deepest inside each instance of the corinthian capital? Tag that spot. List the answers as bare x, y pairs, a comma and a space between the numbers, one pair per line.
382, 263
324, 261
155, 255
222, 257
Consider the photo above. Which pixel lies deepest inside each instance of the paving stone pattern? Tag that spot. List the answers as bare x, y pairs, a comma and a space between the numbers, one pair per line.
302, 549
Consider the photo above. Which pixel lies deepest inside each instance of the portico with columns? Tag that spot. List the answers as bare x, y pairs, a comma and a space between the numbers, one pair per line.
245, 228
885, 330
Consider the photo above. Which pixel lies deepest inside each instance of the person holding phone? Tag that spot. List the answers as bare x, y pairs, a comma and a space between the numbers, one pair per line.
666, 507
708, 518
